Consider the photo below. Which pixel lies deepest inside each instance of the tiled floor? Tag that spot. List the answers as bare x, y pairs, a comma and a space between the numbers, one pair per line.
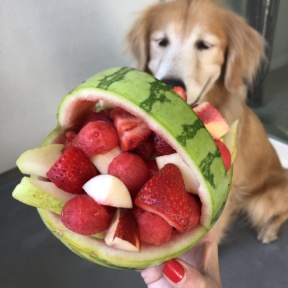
32, 257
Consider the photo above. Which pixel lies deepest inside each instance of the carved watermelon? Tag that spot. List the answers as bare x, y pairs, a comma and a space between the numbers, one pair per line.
174, 120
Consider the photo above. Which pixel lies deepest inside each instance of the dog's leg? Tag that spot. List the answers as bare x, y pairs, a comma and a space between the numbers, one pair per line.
269, 232
269, 211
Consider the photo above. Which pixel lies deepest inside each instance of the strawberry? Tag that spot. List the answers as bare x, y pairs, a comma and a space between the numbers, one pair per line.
153, 228
165, 195
131, 169
96, 137
72, 170
117, 111
131, 130
84, 216
161, 147
195, 205
146, 149
152, 167
181, 92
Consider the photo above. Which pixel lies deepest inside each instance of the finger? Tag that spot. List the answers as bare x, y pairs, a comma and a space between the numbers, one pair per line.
210, 263
151, 275
181, 275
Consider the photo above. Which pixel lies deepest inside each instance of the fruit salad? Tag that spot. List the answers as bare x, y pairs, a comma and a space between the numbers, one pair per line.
132, 175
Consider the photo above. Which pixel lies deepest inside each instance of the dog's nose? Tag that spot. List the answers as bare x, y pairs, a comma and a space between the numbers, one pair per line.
173, 82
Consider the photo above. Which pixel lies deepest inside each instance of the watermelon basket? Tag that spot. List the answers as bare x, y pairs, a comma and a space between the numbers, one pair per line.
166, 114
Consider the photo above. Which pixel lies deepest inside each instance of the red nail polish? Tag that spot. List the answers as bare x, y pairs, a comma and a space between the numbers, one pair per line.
173, 270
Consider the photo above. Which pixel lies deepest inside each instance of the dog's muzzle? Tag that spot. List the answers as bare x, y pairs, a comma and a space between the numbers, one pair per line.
174, 82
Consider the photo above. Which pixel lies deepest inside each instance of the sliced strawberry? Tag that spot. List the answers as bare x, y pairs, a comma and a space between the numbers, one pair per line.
117, 111
72, 170
152, 167
146, 149
153, 228
162, 147
181, 92
165, 195
131, 169
97, 137
84, 216
131, 130
195, 215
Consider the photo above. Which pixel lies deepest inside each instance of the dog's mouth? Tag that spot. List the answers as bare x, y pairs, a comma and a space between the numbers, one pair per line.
174, 82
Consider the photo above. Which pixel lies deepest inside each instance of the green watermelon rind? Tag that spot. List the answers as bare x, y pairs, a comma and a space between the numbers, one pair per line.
96, 251
147, 98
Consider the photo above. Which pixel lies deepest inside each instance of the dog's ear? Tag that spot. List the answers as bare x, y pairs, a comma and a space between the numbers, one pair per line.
137, 41
245, 52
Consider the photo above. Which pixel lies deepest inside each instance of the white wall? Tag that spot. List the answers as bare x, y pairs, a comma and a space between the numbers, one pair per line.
46, 49
49, 47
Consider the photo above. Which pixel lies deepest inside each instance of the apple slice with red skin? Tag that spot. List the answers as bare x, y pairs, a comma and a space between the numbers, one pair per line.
225, 154
123, 233
212, 119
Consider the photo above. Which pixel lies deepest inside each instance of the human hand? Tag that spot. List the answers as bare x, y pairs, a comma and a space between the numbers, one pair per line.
197, 268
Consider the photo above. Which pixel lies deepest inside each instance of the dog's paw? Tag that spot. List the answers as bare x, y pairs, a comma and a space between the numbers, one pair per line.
267, 234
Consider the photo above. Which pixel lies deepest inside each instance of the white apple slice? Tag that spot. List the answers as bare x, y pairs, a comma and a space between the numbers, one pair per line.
123, 233
212, 119
108, 190
102, 161
190, 180
38, 161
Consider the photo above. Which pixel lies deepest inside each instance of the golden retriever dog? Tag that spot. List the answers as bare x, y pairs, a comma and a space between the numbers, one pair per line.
215, 53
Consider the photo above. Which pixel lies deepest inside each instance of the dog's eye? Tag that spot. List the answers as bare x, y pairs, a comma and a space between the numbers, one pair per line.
163, 42
202, 45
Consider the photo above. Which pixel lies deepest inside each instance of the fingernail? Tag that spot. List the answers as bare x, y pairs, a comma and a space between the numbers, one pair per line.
173, 270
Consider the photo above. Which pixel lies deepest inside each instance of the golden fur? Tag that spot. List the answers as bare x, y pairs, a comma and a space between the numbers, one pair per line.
216, 54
